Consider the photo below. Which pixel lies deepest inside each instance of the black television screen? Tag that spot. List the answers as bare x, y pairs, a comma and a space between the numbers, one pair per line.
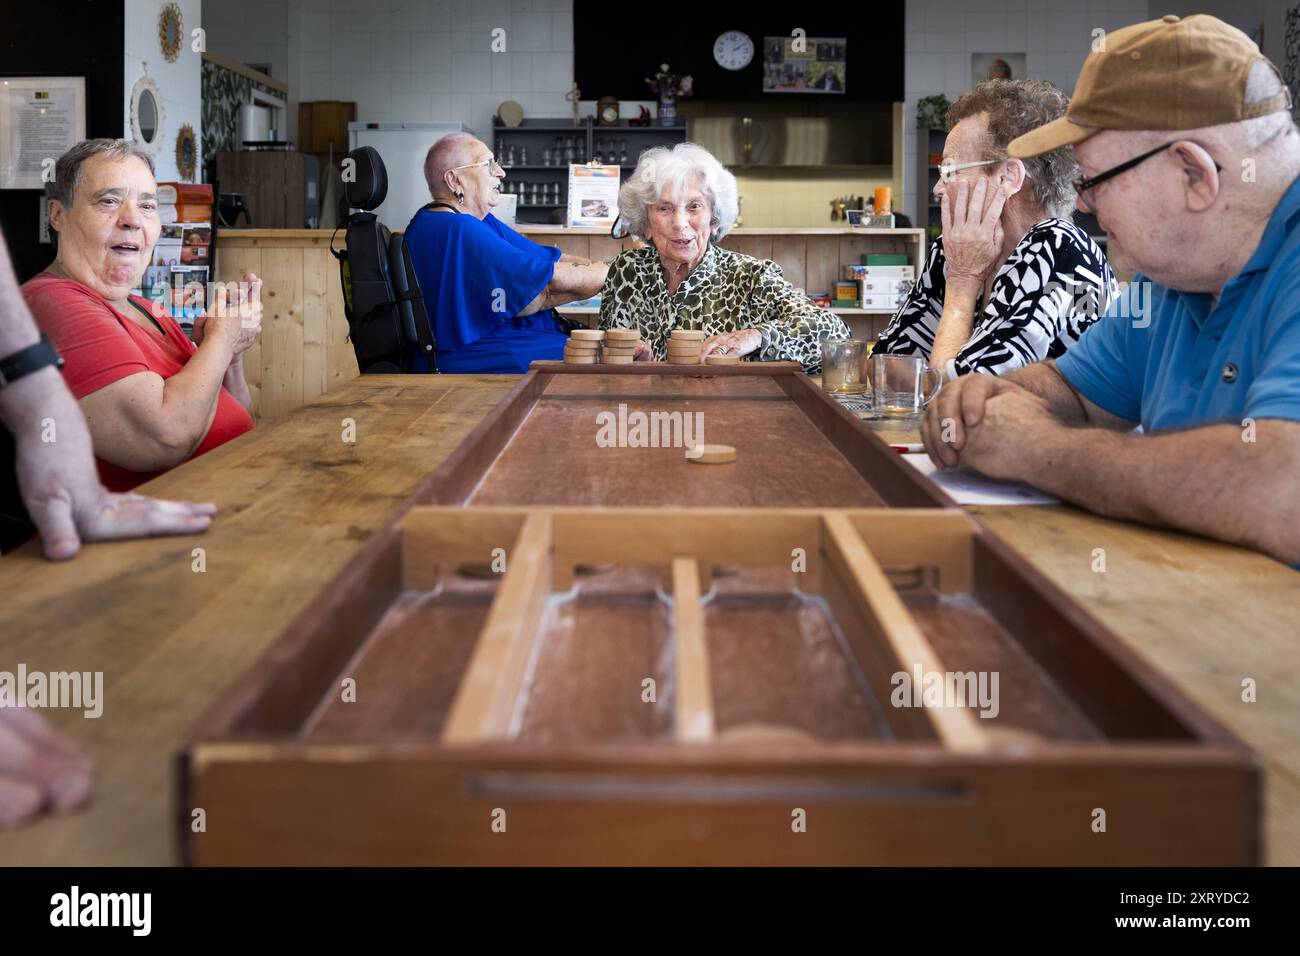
863, 53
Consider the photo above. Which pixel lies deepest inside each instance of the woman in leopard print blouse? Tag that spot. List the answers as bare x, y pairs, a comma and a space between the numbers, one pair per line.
681, 201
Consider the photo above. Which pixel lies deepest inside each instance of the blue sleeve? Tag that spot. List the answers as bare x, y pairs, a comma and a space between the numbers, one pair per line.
473, 278
1275, 391
520, 241
1108, 363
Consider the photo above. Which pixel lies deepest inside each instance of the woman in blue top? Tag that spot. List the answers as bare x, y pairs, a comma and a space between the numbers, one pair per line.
489, 291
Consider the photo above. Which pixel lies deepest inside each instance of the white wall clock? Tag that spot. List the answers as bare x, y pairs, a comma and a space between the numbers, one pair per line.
733, 50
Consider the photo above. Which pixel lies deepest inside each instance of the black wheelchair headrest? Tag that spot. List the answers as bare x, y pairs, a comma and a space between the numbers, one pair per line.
370, 187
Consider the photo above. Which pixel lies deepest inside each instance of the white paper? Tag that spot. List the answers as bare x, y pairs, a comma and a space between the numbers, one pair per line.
593, 195
40, 119
968, 488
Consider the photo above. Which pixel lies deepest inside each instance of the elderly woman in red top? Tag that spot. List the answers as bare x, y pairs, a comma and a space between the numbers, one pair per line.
152, 398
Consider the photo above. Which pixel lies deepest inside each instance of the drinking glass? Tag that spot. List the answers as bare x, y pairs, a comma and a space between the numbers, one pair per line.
842, 367
899, 385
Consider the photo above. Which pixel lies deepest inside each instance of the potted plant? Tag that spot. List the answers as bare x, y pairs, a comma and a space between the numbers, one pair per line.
669, 86
931, 112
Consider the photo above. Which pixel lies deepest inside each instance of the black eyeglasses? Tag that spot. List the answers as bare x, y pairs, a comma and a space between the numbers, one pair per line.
1083, 185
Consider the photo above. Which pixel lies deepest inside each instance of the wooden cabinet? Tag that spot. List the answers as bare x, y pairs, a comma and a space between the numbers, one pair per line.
323, 125
273, 183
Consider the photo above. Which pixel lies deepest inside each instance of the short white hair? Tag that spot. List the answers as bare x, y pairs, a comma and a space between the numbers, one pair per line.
661, 170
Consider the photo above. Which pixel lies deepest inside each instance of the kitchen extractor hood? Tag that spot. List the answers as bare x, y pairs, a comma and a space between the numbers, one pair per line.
737, 136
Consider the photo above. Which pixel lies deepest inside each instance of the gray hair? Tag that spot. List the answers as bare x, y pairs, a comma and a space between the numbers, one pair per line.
661, 170
1014, 107
67, 171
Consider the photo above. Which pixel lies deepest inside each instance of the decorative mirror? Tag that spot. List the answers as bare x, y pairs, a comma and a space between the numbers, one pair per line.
170, 31
147, 114
185, 152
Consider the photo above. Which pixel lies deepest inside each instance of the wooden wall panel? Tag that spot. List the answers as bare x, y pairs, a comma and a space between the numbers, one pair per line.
282, 331
823, 263
569, 245
791, 254
340, 359
760, 247
604, 247
232, 265
315, 318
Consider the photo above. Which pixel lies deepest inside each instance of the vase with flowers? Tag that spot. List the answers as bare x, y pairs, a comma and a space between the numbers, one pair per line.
669, 86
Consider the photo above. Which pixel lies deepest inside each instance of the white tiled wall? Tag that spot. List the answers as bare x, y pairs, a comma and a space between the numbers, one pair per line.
179, 82
252, 31
407, 60
1054, 35
431, 60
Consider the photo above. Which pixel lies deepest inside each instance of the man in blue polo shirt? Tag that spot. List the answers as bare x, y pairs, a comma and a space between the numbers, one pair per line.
1192, 166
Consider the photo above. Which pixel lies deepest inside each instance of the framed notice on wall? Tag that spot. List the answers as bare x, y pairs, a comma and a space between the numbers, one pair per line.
41, 118
593, 195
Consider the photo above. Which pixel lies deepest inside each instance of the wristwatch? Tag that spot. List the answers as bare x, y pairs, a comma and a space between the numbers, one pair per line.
28, 360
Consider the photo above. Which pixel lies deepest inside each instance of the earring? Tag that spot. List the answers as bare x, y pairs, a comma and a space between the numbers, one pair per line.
460, 198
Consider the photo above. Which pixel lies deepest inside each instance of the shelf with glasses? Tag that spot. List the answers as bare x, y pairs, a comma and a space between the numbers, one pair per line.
577, 144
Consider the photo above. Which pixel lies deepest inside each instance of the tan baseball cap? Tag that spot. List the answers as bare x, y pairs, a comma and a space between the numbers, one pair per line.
1162, 74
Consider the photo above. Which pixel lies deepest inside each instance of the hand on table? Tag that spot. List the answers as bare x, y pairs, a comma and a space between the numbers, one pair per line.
740, 342
972, 228
39, 768
962, 405
61, 488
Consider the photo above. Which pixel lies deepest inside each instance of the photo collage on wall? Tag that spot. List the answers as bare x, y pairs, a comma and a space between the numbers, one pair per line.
804, 64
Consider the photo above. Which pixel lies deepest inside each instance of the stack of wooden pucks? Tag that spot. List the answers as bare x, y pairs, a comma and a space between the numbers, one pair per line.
621, 346
583, 347
684, 346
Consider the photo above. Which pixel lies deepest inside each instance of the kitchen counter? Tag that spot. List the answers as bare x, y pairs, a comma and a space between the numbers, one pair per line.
304, 349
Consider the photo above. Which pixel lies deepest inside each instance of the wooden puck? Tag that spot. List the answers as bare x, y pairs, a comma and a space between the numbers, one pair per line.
682, 360
619, 360
621, 349
715, 359
622, 334
686, 335
675, 350
765, 734
585, 347
587, 335
579, 360
711, 454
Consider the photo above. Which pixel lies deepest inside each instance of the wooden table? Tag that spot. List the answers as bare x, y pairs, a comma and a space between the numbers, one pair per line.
296, 502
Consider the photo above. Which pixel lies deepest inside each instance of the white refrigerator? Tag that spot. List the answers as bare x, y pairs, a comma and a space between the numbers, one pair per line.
402, 146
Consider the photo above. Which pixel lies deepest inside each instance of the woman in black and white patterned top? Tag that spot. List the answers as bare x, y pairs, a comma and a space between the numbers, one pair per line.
1012, 281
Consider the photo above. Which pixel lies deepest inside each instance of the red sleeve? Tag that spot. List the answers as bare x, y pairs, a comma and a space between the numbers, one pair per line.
96, 350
